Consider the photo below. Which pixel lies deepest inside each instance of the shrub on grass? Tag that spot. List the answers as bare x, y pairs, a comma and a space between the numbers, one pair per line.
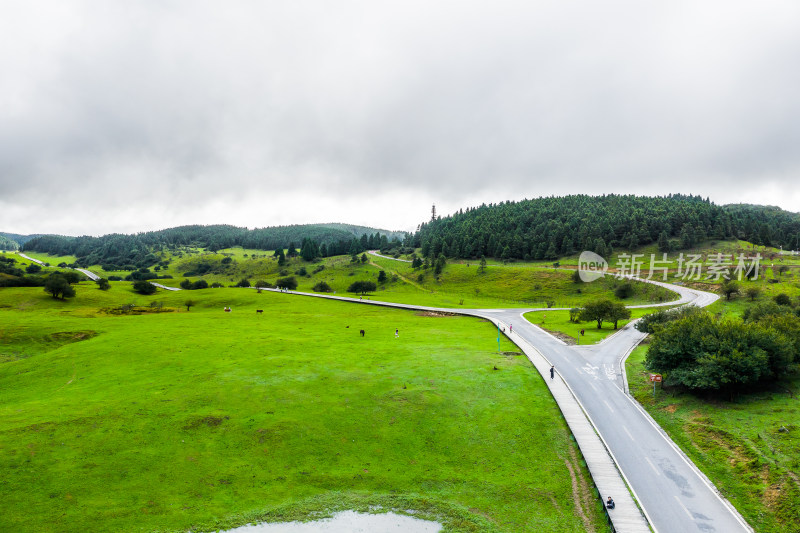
623, 291
144, 287
322, 287
289, 283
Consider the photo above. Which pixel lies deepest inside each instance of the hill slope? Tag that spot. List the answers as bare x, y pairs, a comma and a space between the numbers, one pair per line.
548, 228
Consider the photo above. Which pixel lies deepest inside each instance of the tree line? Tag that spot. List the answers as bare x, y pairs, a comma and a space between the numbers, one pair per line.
548, 228
130, 252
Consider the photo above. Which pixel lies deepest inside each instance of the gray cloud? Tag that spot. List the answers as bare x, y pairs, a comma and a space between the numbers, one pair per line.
157, 113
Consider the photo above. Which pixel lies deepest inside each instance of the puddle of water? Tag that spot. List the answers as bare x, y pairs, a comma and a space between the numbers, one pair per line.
348, 522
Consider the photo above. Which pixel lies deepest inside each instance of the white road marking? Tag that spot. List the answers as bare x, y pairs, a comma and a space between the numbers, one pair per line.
609, 406
652, 466
609, 370
628, 433
684, 507
591, 370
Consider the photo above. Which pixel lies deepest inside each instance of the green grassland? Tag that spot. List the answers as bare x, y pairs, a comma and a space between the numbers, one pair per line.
558, 321
750, 448
171, 420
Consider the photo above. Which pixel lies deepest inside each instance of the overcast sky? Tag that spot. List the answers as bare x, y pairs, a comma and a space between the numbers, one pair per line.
130, 116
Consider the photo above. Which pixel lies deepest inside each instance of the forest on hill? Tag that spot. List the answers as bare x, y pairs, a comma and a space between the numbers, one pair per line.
7, 243
138, 250
542, 228
548, 228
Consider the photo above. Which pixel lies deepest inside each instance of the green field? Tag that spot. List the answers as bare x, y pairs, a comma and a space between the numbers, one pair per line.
558, 321
460, 284
179, 420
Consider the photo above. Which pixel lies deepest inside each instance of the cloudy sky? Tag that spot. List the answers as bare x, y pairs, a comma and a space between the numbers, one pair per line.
129, 116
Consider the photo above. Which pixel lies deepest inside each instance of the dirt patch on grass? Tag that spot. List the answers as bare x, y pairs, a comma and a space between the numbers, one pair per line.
581, 492
66, 337
135, 310
671, 408
434, 314
208, 421
563, 336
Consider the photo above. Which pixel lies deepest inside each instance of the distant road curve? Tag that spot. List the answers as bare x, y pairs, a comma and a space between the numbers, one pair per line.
160, 286
89, 274
376, 254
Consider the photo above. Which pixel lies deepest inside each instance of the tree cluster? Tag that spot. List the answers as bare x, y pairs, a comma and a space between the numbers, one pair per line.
362, 287
600, 311
727, 355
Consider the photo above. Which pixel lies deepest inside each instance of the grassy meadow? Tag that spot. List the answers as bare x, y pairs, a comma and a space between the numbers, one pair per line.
159, 419
460, 284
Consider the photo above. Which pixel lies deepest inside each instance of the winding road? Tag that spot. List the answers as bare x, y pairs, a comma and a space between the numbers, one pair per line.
620, 441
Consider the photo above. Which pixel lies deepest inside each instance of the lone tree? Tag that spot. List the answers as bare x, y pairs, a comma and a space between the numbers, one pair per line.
72, 277
289, 283
729, 288
439, 265
58, 286
618, 312
753, 293
144, 287
189, 304
382, 276
482, 268
598, 310
362, 287
103, 284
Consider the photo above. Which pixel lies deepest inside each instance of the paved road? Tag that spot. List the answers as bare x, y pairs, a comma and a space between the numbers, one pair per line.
91, 275
674, 494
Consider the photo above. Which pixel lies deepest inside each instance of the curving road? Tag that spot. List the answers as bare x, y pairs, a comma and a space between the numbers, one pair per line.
673, 494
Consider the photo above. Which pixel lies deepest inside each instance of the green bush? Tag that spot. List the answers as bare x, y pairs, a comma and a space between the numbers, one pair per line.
144, 287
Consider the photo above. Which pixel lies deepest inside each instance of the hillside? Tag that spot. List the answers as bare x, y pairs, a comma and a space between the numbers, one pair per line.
549, 228
136, 250
6, 243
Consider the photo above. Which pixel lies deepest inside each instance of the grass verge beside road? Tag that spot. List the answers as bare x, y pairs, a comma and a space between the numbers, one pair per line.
559, 322
750, 449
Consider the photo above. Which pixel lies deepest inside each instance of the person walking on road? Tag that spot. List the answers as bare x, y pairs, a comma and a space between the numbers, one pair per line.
552, 371
511, 328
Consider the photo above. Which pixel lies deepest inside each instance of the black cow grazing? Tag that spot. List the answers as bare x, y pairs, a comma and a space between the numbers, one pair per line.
362, 332
259, 311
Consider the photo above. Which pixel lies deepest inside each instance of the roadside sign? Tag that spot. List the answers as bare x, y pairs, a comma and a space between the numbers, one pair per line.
655, 378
